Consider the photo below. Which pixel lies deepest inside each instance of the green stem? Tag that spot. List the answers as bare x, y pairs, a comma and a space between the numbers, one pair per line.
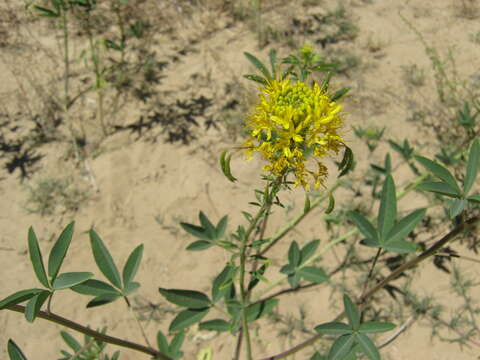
95, 334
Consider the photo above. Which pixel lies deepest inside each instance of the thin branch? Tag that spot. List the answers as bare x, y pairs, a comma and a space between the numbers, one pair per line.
95, 334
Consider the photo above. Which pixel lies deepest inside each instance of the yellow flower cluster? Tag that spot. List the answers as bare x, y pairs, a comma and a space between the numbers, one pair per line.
290, 123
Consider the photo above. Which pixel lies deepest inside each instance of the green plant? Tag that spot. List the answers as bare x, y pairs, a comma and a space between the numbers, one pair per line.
293, 125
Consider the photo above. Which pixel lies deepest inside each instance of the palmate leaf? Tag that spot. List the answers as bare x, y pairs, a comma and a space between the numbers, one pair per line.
221, 283
442, 188
186, 298
104, 260
14, 351
70, 341
187, 318
313, 274
341, 347
95, 288
367, 346
103, 299
256, 311
363, 225
36, 258
34, 305
219, 325
334, 328
308, 250
131, 266
388, 208
294, 255
405, 226
351, 311
59, 250
439, 171
472, 167
18, 297
373, 327
67, 280
400, 246
456, 207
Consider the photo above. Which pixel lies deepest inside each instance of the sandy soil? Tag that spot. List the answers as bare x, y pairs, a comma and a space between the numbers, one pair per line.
147, 185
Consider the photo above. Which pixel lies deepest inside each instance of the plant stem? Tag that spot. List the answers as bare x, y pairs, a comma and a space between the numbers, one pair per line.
95, 334
377, 255
138, 322
415, 261
66, 81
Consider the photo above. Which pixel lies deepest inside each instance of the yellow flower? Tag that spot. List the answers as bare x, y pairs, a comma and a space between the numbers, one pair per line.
290, 123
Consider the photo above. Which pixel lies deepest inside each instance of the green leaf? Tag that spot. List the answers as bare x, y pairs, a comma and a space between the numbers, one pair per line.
472, 167
308, 250
457, 207
313, 274
69, 279
439, 171
221, 282
95, 288
331, 203
177, 342
347, 162
259, 65
341, 347
294, 280
46, 12
351, 311
340, 93
225, 165
306, 206
287, 269
334, 328
186, 318
207, 225
440, 188
256, 78
36, 258
103, 299
131, 266
104, 260
219, 325
70, 341
186, 298
130, 288
400, 246
59, 250
221, 227
388, 207
294, 255
162, 343
34, 305
256, 311
368, 346
200, 245
14, 351
18, 297
405, 226
373, 327
363, 225
475, 198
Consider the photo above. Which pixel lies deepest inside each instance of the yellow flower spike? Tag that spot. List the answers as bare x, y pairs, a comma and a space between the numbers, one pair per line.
290, 120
